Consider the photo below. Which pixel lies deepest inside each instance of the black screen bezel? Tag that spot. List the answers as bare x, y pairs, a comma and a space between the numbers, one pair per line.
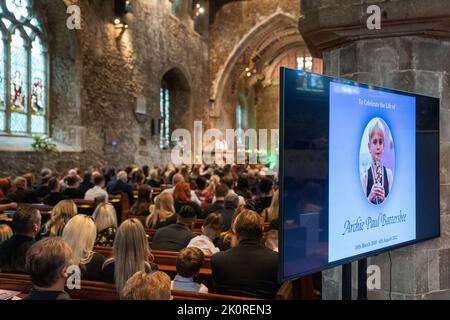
434, 159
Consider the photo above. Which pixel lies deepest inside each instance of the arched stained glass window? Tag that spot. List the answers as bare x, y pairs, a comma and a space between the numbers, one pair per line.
2, 84
24, 101
18, 82
164, 106
19, 8
38, 86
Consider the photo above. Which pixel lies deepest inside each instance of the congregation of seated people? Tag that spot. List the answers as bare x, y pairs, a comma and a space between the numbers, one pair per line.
234, 203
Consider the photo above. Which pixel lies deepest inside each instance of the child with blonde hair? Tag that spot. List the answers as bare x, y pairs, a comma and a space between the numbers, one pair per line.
378, 179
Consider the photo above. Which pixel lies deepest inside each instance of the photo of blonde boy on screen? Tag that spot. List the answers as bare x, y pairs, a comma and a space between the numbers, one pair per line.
377, 161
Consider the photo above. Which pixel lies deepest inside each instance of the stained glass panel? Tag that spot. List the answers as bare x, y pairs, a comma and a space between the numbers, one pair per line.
6, 22
19, 8
2, 77
23, 89
18, 122
28, 31
37, 124
165, 118
35, 23
2, 121
18, 74
308, 63
38, 85
300, 63
161, 110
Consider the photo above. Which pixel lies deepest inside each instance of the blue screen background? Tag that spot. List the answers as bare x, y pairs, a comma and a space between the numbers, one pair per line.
347, 200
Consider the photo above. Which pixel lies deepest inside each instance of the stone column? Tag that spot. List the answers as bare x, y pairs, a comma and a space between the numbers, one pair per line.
410, 52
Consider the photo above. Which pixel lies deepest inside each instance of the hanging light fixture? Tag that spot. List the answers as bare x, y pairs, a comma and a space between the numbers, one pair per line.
121, 8
199, 10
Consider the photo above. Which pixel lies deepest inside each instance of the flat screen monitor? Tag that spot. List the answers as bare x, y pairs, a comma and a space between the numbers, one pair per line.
359, 171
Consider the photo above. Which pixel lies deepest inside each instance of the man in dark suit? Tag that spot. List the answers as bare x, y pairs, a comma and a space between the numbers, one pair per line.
72, 191
43, 189
176, 236
26, 225
121, 186
230, 207
220, 193
55, 195
87, 183
250, 269
46, 263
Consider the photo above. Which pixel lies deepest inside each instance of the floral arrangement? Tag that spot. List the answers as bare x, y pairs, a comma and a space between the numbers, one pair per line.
44, 144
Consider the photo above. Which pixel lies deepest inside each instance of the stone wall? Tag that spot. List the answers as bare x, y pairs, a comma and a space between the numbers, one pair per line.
98, 73
403, 62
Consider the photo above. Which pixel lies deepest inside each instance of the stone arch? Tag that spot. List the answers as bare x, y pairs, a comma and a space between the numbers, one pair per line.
182, 9
178, 83
276, 34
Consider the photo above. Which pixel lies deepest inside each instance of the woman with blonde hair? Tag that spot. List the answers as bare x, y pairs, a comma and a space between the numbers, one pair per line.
210, 190
105, 218
144, 286
5, 232
80, 233
61, 214
163, 212
272, 213
131, 253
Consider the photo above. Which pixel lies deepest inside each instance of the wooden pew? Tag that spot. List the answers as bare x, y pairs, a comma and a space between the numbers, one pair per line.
155, 192
122, 205
85, 206
45, 210
199, 223
151, 232
188, 295
166, 261
94, 290
140, 218
161, 257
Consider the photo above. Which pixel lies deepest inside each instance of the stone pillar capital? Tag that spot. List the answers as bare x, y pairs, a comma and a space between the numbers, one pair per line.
327, 24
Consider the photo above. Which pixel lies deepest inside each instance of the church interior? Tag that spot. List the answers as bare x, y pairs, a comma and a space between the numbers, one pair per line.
95, 96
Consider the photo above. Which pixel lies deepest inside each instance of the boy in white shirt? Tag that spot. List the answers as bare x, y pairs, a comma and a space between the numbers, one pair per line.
97, 191
189, 262
211, 229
